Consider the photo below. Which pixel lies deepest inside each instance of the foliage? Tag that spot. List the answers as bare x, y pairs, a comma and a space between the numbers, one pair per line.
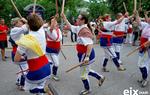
97, 8
72, 7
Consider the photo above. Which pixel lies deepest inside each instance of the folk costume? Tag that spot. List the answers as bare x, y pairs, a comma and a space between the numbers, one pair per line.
15, 34
53, 48
144, 61
83, 40
34, 46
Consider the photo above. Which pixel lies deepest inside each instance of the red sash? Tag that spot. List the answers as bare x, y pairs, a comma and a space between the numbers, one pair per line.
14, 49
142, 41
130, 30
108, 37
81, 48
53, 44
37, 63
118, 33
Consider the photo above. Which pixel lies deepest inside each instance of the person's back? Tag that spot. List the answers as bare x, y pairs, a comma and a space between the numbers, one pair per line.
34, 46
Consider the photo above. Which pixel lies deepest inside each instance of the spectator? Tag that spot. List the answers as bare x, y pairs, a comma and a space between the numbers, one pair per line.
3, 37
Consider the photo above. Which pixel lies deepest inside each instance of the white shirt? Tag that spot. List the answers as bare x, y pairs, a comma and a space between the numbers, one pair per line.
81, 40
109, 26
145, 30
16, 32
54, 35
122, 25
40, 36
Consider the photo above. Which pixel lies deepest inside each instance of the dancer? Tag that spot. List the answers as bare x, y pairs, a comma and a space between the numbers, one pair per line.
34, 46
19, 28
54, 38
143, 62
85, 51
106, 41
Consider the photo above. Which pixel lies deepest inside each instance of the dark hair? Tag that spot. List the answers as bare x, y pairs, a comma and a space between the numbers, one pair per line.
35, 22
85, 18
51, 19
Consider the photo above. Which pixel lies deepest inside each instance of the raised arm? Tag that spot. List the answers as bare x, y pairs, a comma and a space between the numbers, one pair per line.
65, 19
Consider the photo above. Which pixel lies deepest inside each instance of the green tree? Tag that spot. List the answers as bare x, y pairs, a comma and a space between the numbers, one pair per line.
97, 8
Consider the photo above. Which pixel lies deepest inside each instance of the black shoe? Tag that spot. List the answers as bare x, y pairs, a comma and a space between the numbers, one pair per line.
101, 81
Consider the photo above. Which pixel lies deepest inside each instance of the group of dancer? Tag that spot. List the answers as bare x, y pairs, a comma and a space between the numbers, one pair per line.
112, 37
36, 48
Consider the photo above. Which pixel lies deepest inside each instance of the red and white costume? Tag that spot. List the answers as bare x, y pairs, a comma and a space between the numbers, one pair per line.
15, 34
119, 30
39, 66
53, 47
84, 39
106, 40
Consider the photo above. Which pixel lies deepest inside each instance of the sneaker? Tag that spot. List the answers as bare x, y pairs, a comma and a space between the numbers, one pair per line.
21, 88
140, 80
105, 70
121, 69
85, 92
144, 83
101, 81
56, 78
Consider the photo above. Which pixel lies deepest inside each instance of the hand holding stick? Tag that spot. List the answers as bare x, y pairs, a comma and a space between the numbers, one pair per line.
145, 44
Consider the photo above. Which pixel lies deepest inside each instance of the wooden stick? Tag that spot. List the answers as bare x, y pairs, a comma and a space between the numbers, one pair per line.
34, 6
22, 71
16, 9
125, 8
130, 53
56, 6
133, 51
63, 54
74, 67
63, 4
135, 2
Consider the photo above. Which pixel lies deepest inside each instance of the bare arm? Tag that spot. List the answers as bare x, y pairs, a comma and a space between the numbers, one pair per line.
89, 49
65, 19
88, 52
146, 17
17, 57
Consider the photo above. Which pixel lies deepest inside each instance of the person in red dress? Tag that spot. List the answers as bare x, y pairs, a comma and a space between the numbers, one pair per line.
3, 37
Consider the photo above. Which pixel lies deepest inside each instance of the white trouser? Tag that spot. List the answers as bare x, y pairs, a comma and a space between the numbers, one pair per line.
117, 48
54, 58
29, 86
22, 67
84, 71
109, 52
144, 59
129, 38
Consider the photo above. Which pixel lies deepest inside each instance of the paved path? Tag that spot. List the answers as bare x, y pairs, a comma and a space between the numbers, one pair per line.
70, 83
